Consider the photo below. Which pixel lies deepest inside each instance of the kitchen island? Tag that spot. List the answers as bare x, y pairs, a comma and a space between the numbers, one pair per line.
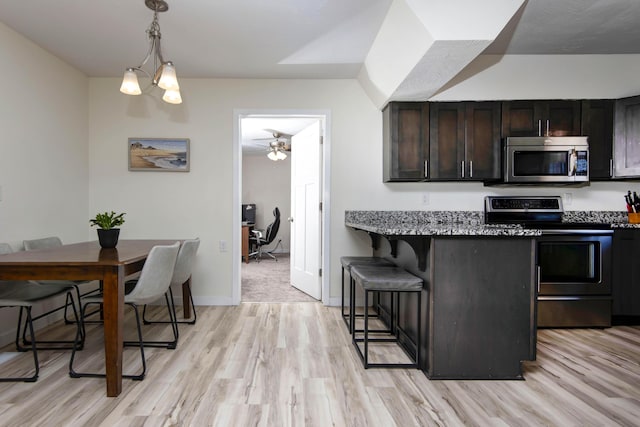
479, 293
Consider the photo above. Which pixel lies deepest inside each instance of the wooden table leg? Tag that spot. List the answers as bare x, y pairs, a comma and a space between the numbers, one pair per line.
186, 299
113, 319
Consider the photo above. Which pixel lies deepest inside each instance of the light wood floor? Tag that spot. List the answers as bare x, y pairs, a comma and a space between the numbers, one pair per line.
293, 364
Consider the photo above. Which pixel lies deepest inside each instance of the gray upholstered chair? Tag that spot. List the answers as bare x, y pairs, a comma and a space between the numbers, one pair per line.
43, 243
153, 283
53, 242
25, 295
181, 276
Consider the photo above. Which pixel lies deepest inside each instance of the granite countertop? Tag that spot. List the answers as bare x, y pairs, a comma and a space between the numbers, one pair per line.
431, 223
464, 223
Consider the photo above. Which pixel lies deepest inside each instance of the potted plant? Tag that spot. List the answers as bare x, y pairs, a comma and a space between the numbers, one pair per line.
108, 232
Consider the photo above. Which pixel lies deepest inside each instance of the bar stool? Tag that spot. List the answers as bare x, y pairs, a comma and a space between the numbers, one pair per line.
394, 280
347, 262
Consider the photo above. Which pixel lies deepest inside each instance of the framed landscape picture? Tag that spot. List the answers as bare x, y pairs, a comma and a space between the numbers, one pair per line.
159, 154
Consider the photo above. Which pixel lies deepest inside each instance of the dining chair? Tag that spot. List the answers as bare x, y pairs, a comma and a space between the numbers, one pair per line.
23, 294
53, 242
154, 282
181, 276
5, 248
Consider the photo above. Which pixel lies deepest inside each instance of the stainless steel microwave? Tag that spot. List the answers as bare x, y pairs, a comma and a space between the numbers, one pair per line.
560, 159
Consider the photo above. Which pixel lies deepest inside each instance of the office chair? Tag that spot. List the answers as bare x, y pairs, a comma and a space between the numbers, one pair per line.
154, 282
270, 233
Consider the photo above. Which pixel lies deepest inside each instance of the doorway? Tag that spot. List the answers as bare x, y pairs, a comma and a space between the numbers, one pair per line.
258, 133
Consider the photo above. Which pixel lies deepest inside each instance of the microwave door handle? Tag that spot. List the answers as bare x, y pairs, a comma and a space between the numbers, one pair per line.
573, 162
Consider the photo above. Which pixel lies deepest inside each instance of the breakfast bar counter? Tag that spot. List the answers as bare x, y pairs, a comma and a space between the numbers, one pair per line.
480, 293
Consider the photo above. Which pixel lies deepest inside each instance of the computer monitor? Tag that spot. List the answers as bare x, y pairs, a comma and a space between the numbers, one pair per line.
249, 213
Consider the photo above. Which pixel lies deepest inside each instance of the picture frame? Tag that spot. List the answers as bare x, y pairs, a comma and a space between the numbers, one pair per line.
159, 154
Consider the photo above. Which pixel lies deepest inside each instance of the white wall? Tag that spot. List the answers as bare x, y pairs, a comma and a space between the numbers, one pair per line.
268, 184
43, 150
200, 202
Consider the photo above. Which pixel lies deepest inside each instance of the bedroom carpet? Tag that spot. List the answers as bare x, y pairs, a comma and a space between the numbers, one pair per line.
268, 281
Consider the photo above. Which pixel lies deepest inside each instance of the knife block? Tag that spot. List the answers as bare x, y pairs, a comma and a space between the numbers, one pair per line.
634, 218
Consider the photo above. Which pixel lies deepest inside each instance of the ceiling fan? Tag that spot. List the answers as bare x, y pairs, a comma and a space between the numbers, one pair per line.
278, 145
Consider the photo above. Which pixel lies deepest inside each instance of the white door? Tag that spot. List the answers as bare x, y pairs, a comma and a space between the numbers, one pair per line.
305, 210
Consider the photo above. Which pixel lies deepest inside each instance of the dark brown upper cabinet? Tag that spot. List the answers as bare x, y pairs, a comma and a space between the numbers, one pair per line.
464, 141
405, 141
541, 118
597, 125
626, 149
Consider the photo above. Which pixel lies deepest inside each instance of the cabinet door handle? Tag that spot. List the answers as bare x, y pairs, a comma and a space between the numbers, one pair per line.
547, 128
611, 168
426, 168
538, 278
539, 127
462, 167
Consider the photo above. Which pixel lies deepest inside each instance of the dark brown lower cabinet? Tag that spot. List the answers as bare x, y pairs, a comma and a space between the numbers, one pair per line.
478, 303
626, 277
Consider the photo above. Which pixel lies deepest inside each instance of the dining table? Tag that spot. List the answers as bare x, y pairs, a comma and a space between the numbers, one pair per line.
88, 261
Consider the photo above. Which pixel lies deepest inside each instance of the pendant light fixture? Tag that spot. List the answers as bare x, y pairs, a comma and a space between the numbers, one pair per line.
277, 150
164, 72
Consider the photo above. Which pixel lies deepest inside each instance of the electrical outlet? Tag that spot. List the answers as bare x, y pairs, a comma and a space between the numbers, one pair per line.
568, 198
425, 199
223, 246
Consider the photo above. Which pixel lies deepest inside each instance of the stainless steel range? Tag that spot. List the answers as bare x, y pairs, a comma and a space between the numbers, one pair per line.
573, 260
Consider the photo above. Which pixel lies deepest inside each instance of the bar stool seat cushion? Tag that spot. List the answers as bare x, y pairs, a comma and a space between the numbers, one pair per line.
349, 261
373, 278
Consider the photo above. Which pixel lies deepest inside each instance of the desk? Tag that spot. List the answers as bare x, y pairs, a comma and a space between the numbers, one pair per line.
88, 261
246, 231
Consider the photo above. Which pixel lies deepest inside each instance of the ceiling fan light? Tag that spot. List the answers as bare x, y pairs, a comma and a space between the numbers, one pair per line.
281, 155
130, 85
273, 155
172, 96
168, 79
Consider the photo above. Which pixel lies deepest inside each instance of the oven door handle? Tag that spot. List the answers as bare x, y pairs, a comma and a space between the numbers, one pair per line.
575, 298
575, 231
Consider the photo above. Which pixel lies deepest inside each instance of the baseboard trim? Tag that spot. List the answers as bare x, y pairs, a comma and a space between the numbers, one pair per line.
223, 301
209, 300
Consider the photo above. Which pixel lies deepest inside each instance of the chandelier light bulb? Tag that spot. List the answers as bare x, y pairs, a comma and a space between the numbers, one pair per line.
130, 84
168, 79
172, 96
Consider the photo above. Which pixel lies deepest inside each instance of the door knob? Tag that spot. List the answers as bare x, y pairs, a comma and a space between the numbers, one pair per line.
290, 219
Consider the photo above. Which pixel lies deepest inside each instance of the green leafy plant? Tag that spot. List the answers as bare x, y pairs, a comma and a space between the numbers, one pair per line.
107, 220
